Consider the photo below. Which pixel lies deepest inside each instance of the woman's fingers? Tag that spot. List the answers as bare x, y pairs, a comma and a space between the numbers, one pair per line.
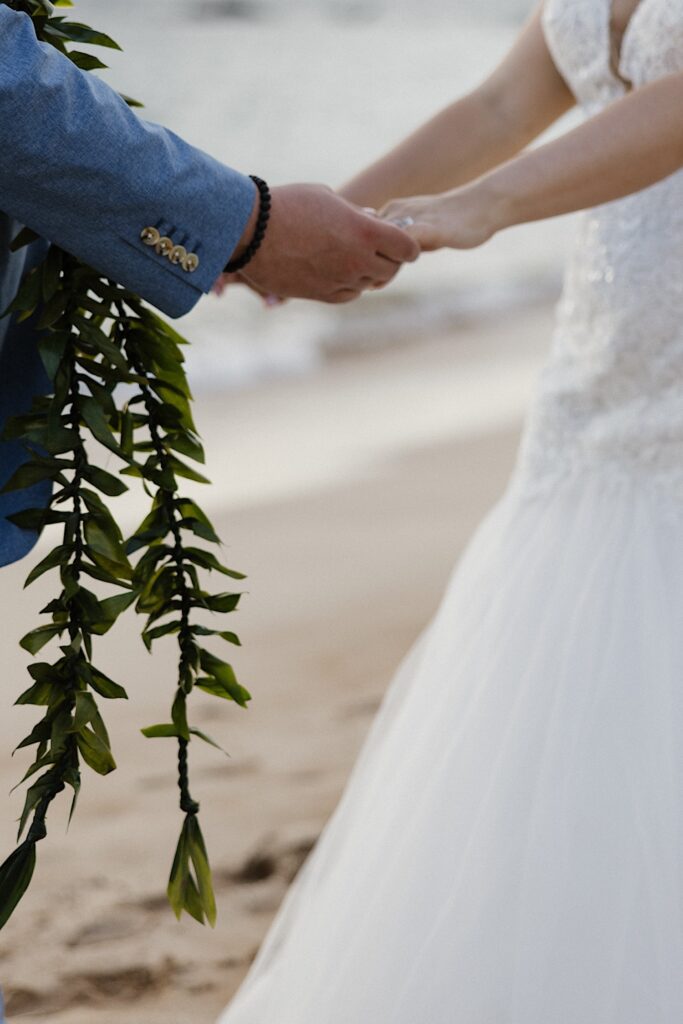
428, 236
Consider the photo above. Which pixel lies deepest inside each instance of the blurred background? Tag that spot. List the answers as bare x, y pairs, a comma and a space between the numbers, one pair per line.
353, 450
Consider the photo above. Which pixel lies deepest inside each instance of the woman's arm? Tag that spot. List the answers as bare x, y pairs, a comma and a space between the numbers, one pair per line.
516, 103
634, 143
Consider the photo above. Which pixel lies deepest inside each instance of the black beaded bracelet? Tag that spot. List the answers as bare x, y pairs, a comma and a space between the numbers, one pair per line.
259, 232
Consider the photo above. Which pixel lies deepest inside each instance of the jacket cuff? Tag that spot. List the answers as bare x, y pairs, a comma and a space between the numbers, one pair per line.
195, 245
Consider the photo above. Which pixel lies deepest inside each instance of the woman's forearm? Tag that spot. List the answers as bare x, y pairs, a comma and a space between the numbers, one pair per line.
489, 125
461, 143
632, 144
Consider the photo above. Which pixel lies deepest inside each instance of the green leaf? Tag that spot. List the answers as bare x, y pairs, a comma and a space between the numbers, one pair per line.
231, 638
95, 752
179, 714
38, 637
154, 732
167, 330
98, 573
96, 505
40, 694
182, 469
96, 421
154, 526
78, 33
187, 444
180, 881
29, 294
85, 710
60, 439
85, 61
121, 571
38, 734
84, 602
207, 739
52, 347
217, 688
92, 335
200, 862
191, 513
185, 892
51, 561
35, 793
130, 101
105, 482
158, 590
31, 518
105, 686
15, 877
114, 606
60, 738
51, 312
222, 602
222, 681
100, 729
103, 395
29, 473
127, 433
43, 670
103, 536
207, 560
37, 766
149, 635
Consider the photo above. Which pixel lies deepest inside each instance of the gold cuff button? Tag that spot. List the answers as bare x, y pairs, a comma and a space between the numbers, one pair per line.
150, 236
177, 254
164, 245
191, 262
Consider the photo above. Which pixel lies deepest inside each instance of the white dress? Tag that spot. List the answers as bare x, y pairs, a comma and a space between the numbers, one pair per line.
509, 845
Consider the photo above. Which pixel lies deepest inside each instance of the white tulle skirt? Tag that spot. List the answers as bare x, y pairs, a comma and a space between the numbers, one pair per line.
509, 845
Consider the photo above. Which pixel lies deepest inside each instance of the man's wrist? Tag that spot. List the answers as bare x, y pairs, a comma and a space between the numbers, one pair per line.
249, 228
237, 263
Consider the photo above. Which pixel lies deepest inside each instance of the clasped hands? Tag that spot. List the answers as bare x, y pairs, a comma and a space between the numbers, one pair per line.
319, 246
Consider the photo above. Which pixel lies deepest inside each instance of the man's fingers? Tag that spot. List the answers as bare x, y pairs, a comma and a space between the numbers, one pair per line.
395, 244
344, 295
255, 287
383, 269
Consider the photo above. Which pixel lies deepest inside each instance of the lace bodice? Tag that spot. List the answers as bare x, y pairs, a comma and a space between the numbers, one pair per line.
610, 396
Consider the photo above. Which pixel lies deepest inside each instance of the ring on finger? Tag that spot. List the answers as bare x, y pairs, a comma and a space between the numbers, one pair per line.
403, 222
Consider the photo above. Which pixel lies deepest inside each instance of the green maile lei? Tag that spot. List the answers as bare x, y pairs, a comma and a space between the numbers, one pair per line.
95, 337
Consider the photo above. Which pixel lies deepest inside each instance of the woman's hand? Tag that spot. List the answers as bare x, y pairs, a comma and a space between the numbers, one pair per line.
461, 219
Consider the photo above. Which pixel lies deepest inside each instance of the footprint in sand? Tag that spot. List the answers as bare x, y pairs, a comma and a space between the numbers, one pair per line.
89, 988
269, 859
114, 926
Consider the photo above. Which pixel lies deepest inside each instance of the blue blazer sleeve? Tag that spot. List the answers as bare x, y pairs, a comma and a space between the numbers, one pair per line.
84, 171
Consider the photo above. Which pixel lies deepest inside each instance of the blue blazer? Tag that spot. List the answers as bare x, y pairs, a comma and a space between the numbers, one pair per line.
81, 169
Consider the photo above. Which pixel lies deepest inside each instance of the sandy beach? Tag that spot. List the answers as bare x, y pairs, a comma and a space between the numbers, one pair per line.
346, 496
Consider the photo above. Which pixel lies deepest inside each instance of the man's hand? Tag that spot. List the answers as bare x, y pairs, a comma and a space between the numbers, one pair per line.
318, 246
